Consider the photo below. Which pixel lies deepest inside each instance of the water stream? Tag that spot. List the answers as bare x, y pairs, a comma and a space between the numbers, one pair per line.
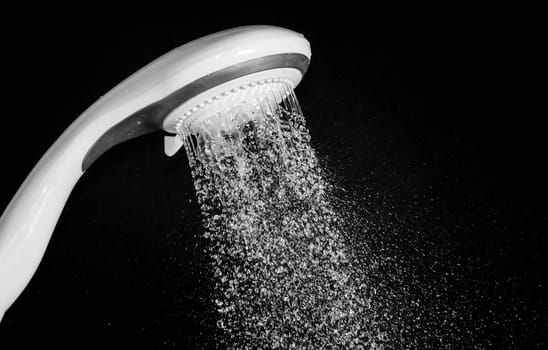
284, 276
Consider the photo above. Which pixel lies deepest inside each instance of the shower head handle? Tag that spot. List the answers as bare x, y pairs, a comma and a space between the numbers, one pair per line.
145, 102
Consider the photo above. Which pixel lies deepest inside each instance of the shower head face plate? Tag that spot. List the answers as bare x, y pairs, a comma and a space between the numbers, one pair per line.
222, 97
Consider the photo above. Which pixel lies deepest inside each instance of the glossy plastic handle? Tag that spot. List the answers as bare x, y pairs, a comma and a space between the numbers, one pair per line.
29, 220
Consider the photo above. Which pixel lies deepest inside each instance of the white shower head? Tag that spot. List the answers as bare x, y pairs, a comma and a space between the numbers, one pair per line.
172, 93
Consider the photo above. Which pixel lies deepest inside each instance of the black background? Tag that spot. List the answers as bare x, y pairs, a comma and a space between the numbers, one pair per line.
443, 129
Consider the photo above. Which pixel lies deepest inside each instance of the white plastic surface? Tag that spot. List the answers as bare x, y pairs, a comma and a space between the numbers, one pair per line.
30, 218
172, 143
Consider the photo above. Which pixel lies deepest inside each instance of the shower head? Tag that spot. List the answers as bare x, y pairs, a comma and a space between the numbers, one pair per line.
174, 94
175, 88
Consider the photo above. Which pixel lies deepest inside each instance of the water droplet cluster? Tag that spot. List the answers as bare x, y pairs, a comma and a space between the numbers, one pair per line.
284, 276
